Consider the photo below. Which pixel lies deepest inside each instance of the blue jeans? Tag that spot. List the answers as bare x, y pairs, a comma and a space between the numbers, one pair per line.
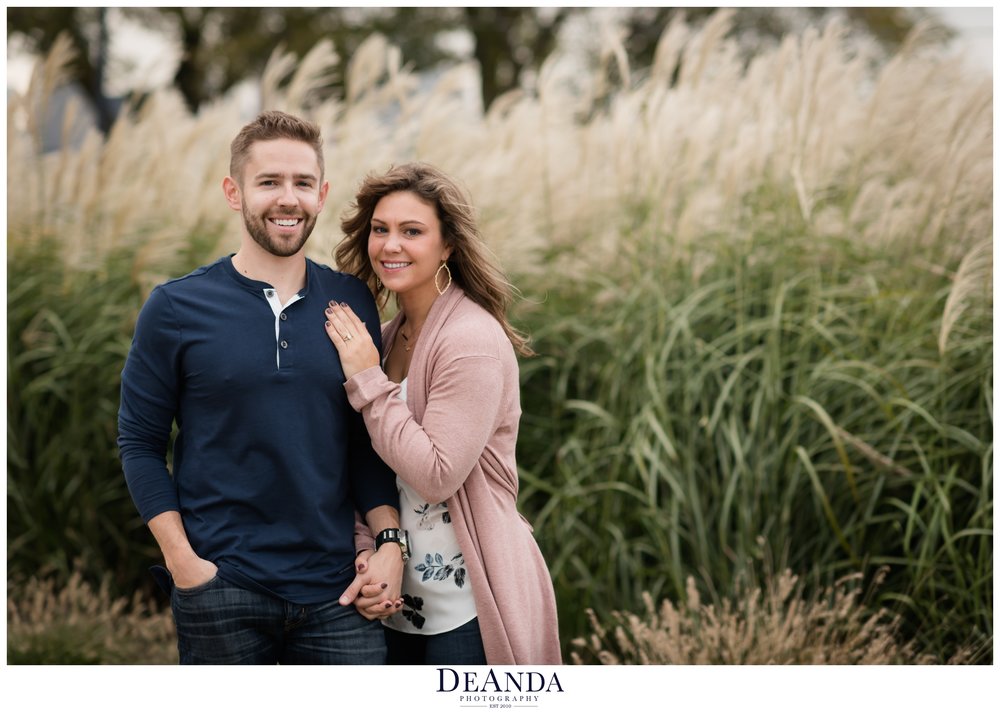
219, 623
461, 646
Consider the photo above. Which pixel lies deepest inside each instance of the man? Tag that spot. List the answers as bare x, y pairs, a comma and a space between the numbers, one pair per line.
270, 461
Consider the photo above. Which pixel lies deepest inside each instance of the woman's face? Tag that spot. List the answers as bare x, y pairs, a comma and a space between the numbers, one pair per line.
405, 244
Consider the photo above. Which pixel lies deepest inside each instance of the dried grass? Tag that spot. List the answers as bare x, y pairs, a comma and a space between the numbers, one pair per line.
770, 625
76, 624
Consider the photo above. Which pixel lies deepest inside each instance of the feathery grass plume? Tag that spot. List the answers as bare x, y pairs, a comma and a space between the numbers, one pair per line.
612, 53
972, 286
75, 624
774, 624
280, 65
915, 152
698, 55
666, 58
25, 127
367, 67
313, 77
47, 76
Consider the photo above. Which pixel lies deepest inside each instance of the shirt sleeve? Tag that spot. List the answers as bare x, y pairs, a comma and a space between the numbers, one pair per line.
372, 482
437, 455
363, 537
148, 405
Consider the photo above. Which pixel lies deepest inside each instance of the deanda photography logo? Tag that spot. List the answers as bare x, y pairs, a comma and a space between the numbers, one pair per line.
497, 690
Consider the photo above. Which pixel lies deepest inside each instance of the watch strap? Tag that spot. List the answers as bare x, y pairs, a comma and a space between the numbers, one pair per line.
386, 536
393, 536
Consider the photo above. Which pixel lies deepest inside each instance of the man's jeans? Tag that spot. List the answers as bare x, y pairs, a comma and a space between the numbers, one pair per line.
219, 623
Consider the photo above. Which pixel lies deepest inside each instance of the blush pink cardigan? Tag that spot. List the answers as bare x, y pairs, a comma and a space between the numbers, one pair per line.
453, 441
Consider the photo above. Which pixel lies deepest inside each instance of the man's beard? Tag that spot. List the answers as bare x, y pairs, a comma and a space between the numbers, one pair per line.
257, 228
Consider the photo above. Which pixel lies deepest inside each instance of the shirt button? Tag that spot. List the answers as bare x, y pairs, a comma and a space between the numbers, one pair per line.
269, 293
284, 344
283, 317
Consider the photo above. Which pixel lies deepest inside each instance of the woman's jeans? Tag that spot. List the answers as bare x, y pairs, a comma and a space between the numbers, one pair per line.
461, 646
219, 623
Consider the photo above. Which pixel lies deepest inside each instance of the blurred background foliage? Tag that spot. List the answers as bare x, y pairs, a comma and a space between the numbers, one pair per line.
755, 254
220, 46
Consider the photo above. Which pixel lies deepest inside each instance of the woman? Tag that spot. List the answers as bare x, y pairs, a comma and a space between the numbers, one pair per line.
443, 413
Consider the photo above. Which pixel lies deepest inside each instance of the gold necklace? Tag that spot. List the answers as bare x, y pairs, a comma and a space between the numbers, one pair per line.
406, 339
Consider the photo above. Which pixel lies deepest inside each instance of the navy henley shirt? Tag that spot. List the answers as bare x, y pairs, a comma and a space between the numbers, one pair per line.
270, 460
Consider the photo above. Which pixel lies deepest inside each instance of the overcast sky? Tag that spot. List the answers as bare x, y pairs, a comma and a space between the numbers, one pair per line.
975, 28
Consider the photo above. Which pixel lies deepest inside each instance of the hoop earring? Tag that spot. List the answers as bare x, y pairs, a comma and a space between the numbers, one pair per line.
444, 266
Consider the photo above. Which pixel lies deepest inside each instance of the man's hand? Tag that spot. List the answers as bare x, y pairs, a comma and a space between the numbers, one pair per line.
186, 568
191, 572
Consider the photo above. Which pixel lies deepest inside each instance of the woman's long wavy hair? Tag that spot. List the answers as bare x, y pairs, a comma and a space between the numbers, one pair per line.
472, 265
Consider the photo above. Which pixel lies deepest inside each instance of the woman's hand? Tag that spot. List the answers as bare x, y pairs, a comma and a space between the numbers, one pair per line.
354, 343
375, 591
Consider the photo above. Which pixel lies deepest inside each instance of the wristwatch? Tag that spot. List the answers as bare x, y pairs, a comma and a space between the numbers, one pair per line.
394, 536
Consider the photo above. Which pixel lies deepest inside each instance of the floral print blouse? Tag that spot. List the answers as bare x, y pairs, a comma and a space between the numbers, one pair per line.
437, 594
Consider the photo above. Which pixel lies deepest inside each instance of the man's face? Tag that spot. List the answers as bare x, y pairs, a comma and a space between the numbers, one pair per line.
281, 195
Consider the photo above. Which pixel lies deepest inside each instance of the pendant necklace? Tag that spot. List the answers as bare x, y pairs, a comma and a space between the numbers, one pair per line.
407, 344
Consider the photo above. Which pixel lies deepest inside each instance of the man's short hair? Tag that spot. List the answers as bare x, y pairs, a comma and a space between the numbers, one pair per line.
268, 126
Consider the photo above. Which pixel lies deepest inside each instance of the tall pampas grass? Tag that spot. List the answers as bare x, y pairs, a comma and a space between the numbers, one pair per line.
899, 152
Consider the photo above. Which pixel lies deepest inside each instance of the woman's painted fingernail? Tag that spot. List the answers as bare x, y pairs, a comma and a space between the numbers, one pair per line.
343, 304
327, 325
329, 311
